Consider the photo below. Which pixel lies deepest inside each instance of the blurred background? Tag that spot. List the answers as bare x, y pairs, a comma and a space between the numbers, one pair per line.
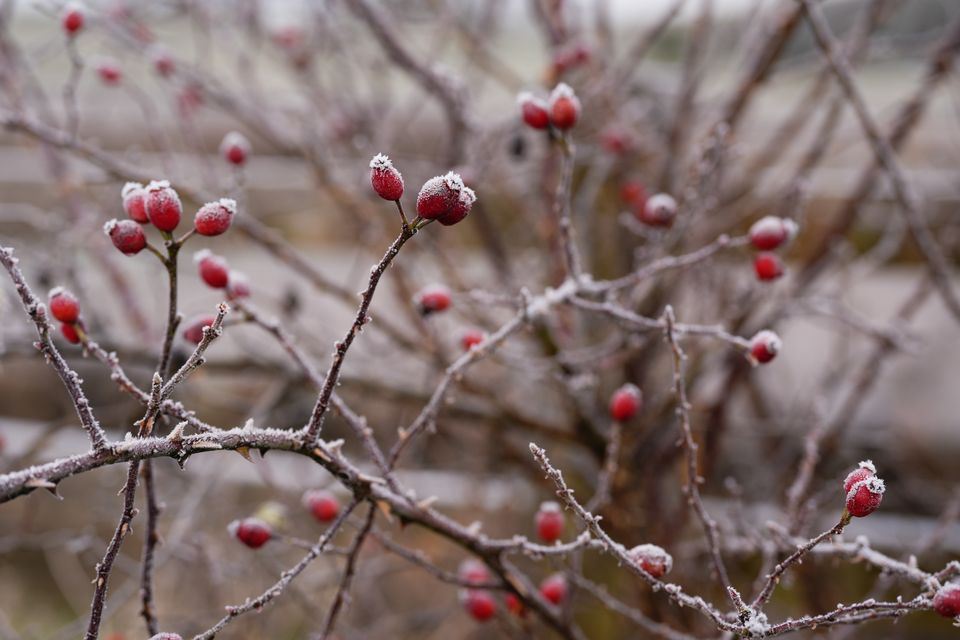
726, 104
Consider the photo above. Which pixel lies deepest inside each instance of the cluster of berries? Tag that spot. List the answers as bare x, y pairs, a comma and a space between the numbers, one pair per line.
767, 235
445, 198
559, 112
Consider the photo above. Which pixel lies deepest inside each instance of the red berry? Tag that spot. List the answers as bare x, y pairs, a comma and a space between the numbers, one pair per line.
864, 490
126, 235
514, 605
432, 299
63, 305
322, 504
554, 588
69, 332
472, 338
549, 521
625, 402
238, 286
163, 62
534, 111
473, 571
134, 199
564, 107
570, 57
765, 346
479, 604
615, 140
770, 232
946, 602
652, 559
440, 197
193, 330
658, 211
72, 18
386, 180
109, 71
252, 532
163, 205
768, 266
214, 218
213, 269
460, 209
235, 148
632, 192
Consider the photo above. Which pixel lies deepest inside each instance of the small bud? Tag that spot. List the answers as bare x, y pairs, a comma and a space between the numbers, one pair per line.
769, 232
564, 107
322, 504
215, 218
864, 490
193, 330
212, 268
432, 299
765, 346
472, 338
652, 559
126, 235
479, 604
625, 402
768, 266
946, 602
252, 532
235, 148
72, 18
549, 522
163, 205
554, 588
63, 305
534, 111
134, 199
385, 179
659, 210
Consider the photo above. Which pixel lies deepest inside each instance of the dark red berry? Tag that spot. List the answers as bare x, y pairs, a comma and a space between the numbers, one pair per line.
652, 559
70, 333
126, 235
473, 571
534, 111
864, 490
134, 199
770, 232
549, 522
659, 210
63, 305
472, 338
625, 402
322, 504
554, 588
72, 18
765, 346
440, 198
768, 266
163, 205
193, 329
564, 107
385, 179
946, 602
212, 268
215, 218
252, 532
460, 209
479, 604
432, 299
235, 148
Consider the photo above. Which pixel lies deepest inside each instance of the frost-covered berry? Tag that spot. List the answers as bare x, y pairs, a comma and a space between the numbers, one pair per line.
564, 107
625, 402
252, 532
213, 269
385, 179
432, 299
322, 504
652, 559
479, 604
472, 338
533, 110
864, 490
72, 18
765, 346
946, 602
214, 218
126, 235
163, 205
659, 210
235, 148
109, 71
238, 285
440, 197
193, 329
63, 305
134, 199
460, 209
770, 232
70, 333
472, 571
167, 635
554, 588
163, 62
549, 521
768, 266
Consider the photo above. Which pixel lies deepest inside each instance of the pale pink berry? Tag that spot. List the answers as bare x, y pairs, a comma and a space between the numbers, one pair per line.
659, 210
864, 490
549, 522
163, 205
212, 268
252, 532
946, 602
385, 179
652, 559
72, 18
770, 232
109, 71
215, 218
63, 305
625, 402
126, 235
238, 285
193, 329
554, 588
768, 266
322, 504
534, 111
134, 199
432, 299
564, 107
765, 346
235, 148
